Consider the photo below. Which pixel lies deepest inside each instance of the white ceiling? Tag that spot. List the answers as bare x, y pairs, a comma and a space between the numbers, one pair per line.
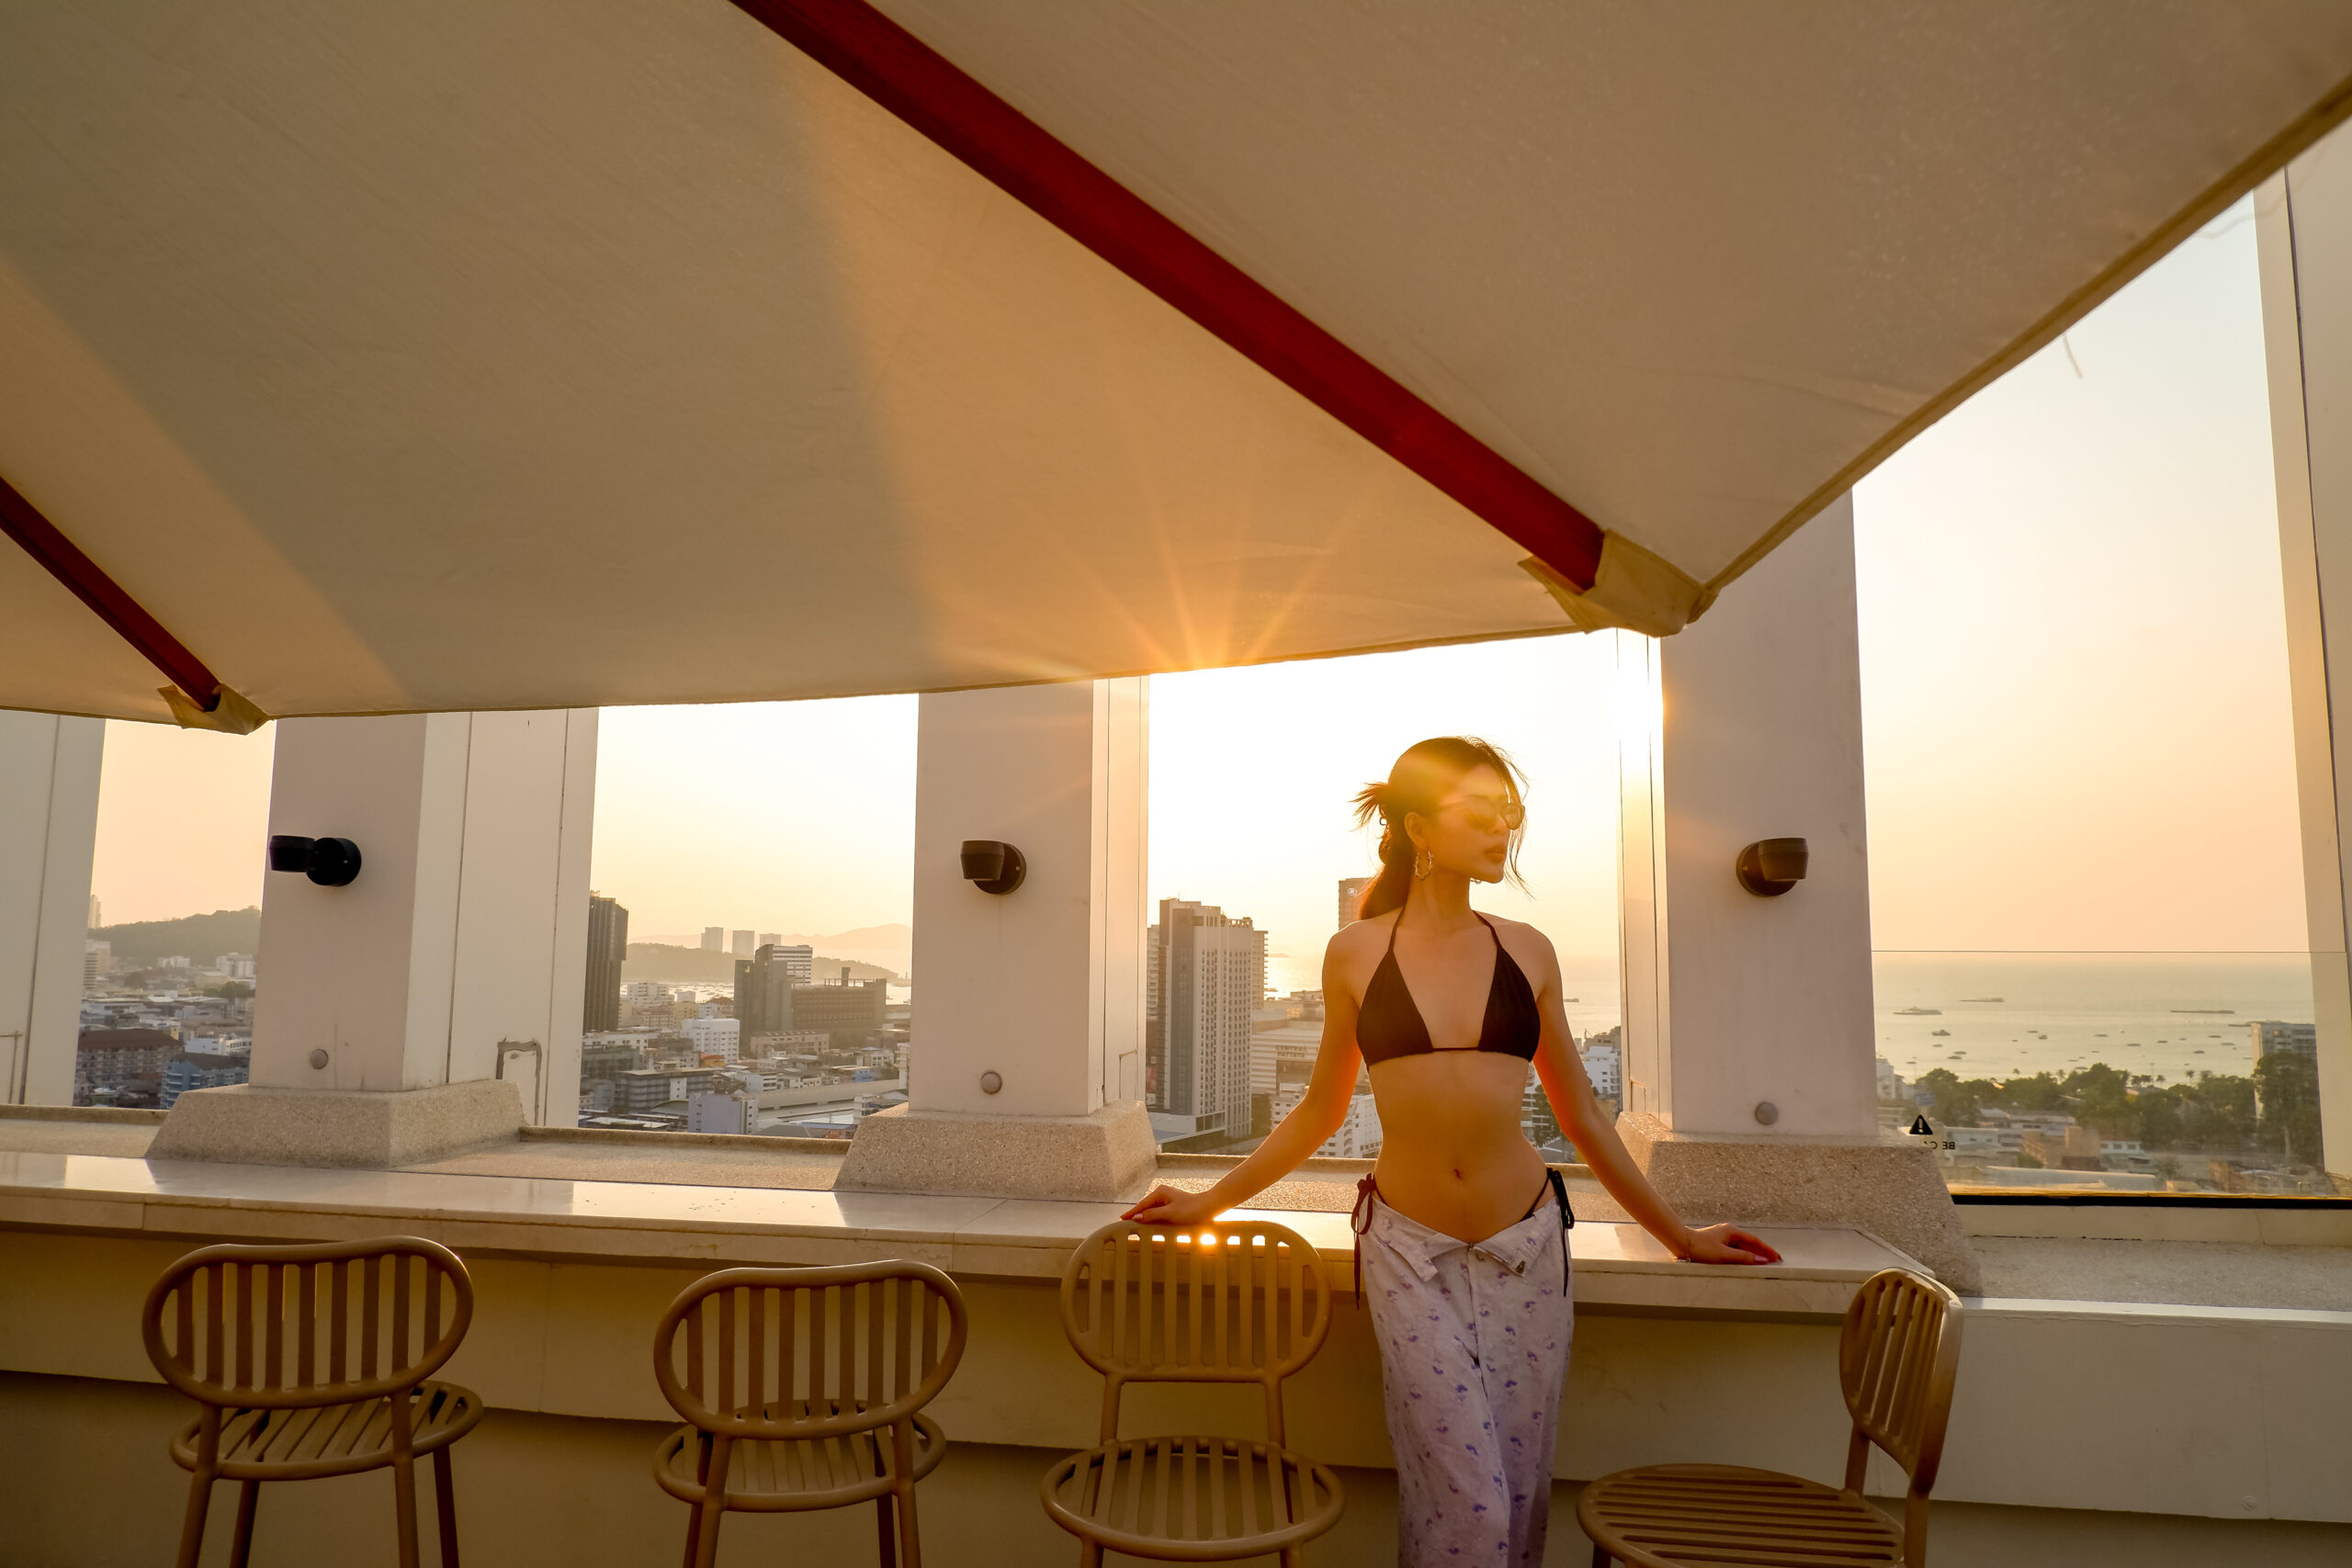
472, 354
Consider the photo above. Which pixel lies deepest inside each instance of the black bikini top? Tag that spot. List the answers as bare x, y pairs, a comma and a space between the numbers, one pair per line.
1389, 1024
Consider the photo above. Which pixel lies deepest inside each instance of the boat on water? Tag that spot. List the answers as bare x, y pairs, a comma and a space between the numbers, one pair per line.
1937, 1033
1918, 1012
1984, 998
2209, 1013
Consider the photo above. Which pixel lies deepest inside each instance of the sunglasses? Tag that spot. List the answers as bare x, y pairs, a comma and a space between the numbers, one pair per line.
1486, 813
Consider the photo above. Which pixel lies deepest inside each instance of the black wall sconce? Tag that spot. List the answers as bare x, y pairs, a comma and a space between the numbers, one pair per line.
1770, 867
329, 862
993, 866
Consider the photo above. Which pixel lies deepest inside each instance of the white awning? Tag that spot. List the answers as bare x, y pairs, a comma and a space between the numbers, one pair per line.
481, 354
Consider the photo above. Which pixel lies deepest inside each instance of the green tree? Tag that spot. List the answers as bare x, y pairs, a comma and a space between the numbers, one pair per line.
2216, 1113
2039, 1092
2160, 1117
2102, 1098
1953, 1105
2288, 1087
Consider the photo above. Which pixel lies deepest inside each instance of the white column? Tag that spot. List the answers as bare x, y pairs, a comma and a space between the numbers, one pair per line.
49, 829
1748, 726
1749, 1083
453, 967
1039, 991
2304, 239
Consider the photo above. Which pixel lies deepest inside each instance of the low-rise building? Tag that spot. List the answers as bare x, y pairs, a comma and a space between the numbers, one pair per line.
2067, 1148
195, 1069
713, 1036
715, 1112
121, 1062
647, 1088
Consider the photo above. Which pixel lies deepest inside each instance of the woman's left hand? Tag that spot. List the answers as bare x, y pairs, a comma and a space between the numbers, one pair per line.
1727, 1244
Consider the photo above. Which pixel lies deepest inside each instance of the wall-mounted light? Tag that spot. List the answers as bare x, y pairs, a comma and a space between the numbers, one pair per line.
329, 862
992, 865
1770, 867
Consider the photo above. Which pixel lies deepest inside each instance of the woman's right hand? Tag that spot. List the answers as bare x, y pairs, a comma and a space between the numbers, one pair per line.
1173, 1206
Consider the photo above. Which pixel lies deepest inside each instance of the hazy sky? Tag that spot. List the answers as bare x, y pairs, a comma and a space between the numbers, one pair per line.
2074, 682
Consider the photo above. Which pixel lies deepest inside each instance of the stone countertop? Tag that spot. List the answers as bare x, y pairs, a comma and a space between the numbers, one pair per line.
1619, 1267
2186, 1269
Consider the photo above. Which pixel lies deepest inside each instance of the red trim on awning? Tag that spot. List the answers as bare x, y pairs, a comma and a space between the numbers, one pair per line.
23, 521
924, 88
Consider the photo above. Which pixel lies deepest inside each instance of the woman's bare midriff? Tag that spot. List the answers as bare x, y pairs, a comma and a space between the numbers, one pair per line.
1452, 1154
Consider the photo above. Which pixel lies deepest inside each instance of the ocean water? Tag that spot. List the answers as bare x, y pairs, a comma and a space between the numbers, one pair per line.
1999, 1015
2168, 1015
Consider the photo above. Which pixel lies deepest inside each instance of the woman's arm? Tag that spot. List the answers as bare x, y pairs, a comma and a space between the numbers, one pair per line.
1580, 1116
1317, 1115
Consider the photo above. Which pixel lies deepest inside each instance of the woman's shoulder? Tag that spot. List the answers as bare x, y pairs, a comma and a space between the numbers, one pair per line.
1355, 934
1524, 940
1359, 938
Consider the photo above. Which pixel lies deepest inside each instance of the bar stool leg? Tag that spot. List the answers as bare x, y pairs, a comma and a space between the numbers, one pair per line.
404, 1499
885, 1514
902, 1461
713, 1504
1601, 1557
445, 1501
248, 1500
199, 1502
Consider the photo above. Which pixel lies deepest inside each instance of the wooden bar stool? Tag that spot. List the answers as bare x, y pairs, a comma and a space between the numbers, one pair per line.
311, 1361
1896, 1359
1237, 1301
803, 1388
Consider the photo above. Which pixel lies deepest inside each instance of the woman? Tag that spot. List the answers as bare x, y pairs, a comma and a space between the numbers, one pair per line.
1459, 1221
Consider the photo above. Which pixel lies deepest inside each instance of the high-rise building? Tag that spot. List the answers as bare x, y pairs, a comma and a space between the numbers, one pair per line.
852, 1013
98, 960
714, 939
95, 921
2288, 1039
743, 944
1351, 895
800, 960
607, 950
764, 985
769, 938
1211, 975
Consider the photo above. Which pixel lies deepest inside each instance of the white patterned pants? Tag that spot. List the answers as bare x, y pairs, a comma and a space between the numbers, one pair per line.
1474, 1347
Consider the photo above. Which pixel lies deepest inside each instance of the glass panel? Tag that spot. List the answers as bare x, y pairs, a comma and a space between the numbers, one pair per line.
1253, 775
2086, 875
2149, 1072
761, 860
169, 967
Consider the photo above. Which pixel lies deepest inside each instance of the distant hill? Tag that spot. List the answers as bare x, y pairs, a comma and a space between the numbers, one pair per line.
203, 937
199, 938
660, 961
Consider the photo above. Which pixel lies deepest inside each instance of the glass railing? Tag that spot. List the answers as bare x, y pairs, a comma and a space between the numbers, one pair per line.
2175, 1073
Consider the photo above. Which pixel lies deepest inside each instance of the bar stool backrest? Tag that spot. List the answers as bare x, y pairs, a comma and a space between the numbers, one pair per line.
790, 1354
1234, 1301
286, 1327
1897, 1357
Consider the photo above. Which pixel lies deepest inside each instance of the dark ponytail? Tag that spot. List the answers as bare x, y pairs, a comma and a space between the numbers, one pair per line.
1421, 778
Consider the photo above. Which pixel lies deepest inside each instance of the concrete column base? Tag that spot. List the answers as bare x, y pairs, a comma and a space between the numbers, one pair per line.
250, 1124
1108, 1157
1888, 1185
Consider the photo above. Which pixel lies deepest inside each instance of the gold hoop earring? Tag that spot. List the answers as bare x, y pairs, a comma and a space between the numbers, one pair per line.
1424, 862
